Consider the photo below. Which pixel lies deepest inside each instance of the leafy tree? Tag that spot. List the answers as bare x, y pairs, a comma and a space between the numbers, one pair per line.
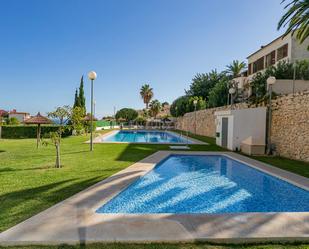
202, 84
55, 139
126, 113
87, 126
61, 113
165, 103
179, 106
297, 19
302, 69
200, 105
218, 94
76, 119
140, 120
234, 69
155, 107
12, 121
146, 113
81, 97
146, 93
259, 86
185, 104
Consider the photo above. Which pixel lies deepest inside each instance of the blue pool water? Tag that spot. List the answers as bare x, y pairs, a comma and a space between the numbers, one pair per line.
207, 184
141, 136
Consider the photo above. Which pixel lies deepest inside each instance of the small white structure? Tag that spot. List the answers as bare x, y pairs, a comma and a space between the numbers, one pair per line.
233, 127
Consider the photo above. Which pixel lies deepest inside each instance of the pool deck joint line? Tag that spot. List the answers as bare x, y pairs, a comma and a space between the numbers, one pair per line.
74, 220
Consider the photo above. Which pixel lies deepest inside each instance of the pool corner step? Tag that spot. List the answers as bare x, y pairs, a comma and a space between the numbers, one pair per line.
179, 147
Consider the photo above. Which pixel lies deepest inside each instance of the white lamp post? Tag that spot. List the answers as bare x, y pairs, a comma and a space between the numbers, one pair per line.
232, 92
270, 81
94, 105
195, 103
92, 76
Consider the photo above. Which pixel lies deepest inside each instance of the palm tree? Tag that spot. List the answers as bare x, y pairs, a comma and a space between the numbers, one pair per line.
235, 68
146, 94
155, 107
297, 18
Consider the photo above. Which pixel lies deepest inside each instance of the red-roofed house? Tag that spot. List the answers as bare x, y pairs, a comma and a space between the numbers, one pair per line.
3, 113
21, 116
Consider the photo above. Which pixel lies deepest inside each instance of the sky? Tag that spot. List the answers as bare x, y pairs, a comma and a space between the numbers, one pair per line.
47, 45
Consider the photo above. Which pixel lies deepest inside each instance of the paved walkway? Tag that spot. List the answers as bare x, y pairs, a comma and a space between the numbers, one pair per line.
75, 221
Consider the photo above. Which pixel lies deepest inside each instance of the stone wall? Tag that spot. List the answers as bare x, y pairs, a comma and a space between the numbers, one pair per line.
286, 86
205, 120
290, 124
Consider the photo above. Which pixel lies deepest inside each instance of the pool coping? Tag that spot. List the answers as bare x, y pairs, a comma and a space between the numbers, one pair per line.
74, 220
193, 141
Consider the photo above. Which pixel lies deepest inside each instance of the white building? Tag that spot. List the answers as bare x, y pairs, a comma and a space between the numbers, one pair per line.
234, 127
21, 116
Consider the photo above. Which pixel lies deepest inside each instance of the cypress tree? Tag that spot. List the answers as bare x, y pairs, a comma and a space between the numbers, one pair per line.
81, 97
76, 99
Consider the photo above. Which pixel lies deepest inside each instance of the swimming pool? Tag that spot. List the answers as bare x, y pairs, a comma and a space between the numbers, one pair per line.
209, 184
143, 136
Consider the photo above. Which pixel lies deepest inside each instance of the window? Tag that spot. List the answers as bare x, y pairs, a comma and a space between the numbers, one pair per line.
282, 52
258, 65
250, 68
270, 59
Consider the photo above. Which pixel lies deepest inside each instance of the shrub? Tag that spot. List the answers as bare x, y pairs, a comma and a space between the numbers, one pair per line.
302, 69
284, 70
218, 94
180, 106
77, 120
126, 113
12, 121
103, 123
140, 120
87, 126
184, 104
29, 131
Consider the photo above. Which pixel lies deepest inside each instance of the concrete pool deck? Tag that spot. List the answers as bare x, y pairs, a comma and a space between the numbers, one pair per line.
190, 140
74, 220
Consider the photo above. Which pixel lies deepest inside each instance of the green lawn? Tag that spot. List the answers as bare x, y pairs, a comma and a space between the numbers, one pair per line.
168, 246
30, 183
295, 166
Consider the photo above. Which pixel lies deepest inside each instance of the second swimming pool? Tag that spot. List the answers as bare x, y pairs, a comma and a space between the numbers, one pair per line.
144, 136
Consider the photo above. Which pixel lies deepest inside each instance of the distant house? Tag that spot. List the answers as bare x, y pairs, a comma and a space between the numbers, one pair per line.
281, 49
165, 111
21, 116
3, 113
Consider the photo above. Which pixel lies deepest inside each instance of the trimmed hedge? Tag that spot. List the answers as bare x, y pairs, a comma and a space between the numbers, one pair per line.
103, 123
29, 131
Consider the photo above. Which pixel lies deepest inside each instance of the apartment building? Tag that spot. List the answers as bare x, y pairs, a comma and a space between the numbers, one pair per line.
283, 48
